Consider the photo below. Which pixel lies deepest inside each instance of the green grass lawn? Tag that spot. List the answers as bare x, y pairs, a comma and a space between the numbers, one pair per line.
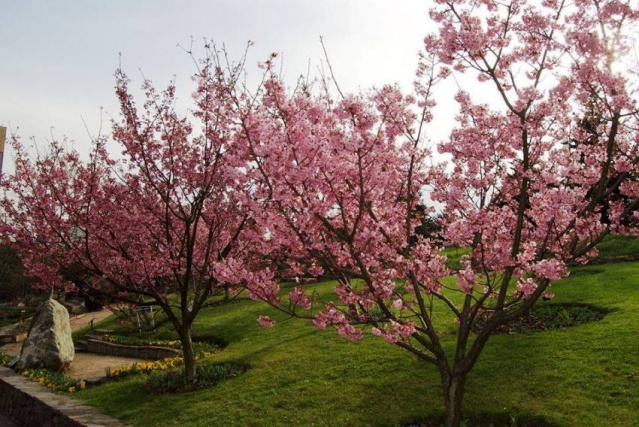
454, 255
582, 376
611, 247
618, 246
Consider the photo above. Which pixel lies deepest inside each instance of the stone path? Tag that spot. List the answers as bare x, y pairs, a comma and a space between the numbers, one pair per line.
85, 366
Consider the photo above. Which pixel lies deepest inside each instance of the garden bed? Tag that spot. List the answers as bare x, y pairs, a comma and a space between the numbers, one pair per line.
546, 317
136, 351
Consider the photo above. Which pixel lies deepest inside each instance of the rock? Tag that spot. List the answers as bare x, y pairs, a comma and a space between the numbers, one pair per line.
74, 307
49, 343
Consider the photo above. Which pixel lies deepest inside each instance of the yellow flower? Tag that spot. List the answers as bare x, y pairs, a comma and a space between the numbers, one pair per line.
71, 389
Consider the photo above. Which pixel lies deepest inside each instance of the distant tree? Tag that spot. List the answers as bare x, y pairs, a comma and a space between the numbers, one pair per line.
430, 225
14, 285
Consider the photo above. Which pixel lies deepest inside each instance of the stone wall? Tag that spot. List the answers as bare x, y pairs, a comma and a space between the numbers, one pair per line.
120, 350
31, 404
9, 338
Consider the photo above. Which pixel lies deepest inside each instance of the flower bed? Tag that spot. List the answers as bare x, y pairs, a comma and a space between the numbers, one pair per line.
125, 340
144, 367
175, 381
5, 359
199, 347
53, 380
550, 317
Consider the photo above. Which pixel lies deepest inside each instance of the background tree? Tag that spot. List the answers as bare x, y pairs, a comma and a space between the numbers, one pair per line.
340, 180
14, 285
160, 226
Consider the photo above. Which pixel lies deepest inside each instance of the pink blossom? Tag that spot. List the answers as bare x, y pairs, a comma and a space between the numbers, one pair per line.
395, 331
298, 297
466, 278
399, 304
266, 321
330, 316
551, 269
349, 332
525, 288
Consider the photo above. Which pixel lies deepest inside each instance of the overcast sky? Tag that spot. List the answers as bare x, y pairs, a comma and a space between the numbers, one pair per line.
58, 58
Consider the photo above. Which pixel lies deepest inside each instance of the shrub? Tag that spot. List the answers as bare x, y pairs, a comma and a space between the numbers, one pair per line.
174, 380
5, 359
126, 340
144, 367
201, 349
545, 317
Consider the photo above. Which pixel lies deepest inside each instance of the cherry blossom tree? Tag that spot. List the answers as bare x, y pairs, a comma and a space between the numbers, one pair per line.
160, 226
540, 167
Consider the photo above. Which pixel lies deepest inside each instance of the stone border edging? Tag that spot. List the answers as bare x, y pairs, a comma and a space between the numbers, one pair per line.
32, 404
10, 338
136, 351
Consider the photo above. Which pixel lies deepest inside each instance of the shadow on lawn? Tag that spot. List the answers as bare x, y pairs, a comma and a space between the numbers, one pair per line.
489, 420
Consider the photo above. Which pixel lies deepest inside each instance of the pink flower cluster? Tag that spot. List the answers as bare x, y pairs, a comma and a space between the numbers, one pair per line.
299, 298
395, 331
332, 316
525, 288
266, 321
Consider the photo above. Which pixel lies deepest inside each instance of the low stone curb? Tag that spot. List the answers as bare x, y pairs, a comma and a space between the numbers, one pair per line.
140, 352
31, 404
10, 338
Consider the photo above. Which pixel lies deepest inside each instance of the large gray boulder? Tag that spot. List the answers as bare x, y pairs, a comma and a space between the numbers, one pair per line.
49, 343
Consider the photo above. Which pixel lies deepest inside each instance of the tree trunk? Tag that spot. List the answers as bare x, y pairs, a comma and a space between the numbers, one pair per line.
187, 351
453, 394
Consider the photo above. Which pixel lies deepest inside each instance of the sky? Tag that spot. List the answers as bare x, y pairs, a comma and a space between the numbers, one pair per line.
57, 59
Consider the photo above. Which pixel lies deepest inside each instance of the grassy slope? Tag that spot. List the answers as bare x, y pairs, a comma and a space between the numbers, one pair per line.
618, 246
587, 375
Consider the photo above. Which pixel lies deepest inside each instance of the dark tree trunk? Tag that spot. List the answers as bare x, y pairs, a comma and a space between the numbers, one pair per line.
453, 394
187, 351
